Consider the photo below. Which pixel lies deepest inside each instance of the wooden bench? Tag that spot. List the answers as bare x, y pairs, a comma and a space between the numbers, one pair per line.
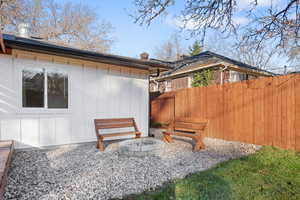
187, 127
101, 124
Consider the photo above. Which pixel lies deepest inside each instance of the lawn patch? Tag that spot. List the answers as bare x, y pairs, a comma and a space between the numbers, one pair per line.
271, 173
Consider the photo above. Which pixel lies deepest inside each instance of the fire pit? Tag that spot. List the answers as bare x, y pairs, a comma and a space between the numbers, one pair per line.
140, 147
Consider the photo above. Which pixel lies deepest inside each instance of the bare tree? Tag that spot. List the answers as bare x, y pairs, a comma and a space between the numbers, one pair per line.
9, 11
171, 50
262, 57
63, 23
276, 23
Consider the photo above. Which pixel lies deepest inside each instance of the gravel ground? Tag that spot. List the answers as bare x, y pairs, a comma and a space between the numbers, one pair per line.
82, 172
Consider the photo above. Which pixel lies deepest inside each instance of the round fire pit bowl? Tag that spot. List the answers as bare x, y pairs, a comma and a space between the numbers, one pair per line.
140, 147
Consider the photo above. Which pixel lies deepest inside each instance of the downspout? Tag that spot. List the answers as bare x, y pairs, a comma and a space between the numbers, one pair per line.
149, 100
154, 76
2, 43
222, 74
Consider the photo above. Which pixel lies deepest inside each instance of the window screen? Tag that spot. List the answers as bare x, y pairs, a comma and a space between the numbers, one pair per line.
57, 90
33, 88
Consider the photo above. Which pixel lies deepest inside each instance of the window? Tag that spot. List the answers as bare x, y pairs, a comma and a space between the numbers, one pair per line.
43, 89
57, 90
237, 76
33, 88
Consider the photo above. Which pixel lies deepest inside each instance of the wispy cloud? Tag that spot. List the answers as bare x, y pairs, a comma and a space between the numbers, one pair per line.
188, 25
240, 20
179, 22
244, 4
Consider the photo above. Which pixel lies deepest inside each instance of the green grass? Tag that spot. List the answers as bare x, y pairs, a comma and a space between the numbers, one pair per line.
270, 173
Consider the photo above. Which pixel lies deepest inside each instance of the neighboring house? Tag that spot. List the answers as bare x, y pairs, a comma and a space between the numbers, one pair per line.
224, 70
50, 95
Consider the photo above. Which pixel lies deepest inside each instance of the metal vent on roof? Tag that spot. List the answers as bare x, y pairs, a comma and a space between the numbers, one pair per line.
24, 30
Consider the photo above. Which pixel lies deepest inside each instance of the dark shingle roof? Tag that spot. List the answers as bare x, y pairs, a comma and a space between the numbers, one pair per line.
34, 45
176, 66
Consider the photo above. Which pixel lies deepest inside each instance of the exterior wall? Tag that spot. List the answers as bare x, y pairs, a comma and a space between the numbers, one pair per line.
153, 87
180, 83
217, 77
229, 76
168, 85
190, 80
237, 76
95, 91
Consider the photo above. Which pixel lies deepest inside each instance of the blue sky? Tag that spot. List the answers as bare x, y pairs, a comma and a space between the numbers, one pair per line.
130, 38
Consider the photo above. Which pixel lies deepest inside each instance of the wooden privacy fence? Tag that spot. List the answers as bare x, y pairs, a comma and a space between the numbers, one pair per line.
263, 111
162, 108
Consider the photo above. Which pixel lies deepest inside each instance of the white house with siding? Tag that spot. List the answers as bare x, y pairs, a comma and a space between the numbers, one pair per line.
50, 95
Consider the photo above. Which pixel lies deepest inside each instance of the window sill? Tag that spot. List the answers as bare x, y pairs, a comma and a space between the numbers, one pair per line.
43, 111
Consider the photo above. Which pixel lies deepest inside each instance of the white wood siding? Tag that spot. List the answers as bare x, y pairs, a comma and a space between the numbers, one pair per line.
95, 91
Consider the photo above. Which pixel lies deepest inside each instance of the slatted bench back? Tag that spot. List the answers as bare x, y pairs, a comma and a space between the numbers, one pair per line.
101, 124
187, 127
115, 123
189, 124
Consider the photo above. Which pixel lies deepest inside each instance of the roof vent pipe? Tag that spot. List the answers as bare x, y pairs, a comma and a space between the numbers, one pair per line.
144, 56
23, 30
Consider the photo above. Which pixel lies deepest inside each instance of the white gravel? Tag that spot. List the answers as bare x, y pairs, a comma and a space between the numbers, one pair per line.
83, 172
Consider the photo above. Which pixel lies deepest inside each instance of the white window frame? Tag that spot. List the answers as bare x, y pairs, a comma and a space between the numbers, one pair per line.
44, 109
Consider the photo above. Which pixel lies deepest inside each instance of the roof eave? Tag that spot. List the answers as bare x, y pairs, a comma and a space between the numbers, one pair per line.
182, 73
249, 70
84, 55
220, 64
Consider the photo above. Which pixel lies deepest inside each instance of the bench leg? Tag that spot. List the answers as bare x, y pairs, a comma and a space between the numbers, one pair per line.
100, 144
138, 135
164, 139
198, 144
167, 138
97, 144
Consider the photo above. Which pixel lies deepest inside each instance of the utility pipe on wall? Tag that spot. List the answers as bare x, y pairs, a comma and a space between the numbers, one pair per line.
222, 74
2, 43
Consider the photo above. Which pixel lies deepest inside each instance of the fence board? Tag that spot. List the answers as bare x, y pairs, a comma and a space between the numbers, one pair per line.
203, 105
283, 98
256, 111
242, 132
227, 112
269, 113
247, 123
297, 111
279, 111
219, 113
290, 113
263, 111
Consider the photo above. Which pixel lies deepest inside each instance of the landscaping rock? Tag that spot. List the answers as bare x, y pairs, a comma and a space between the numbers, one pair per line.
83, 172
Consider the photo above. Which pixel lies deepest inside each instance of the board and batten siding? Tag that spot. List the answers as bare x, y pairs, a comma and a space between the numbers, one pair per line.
95, 91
